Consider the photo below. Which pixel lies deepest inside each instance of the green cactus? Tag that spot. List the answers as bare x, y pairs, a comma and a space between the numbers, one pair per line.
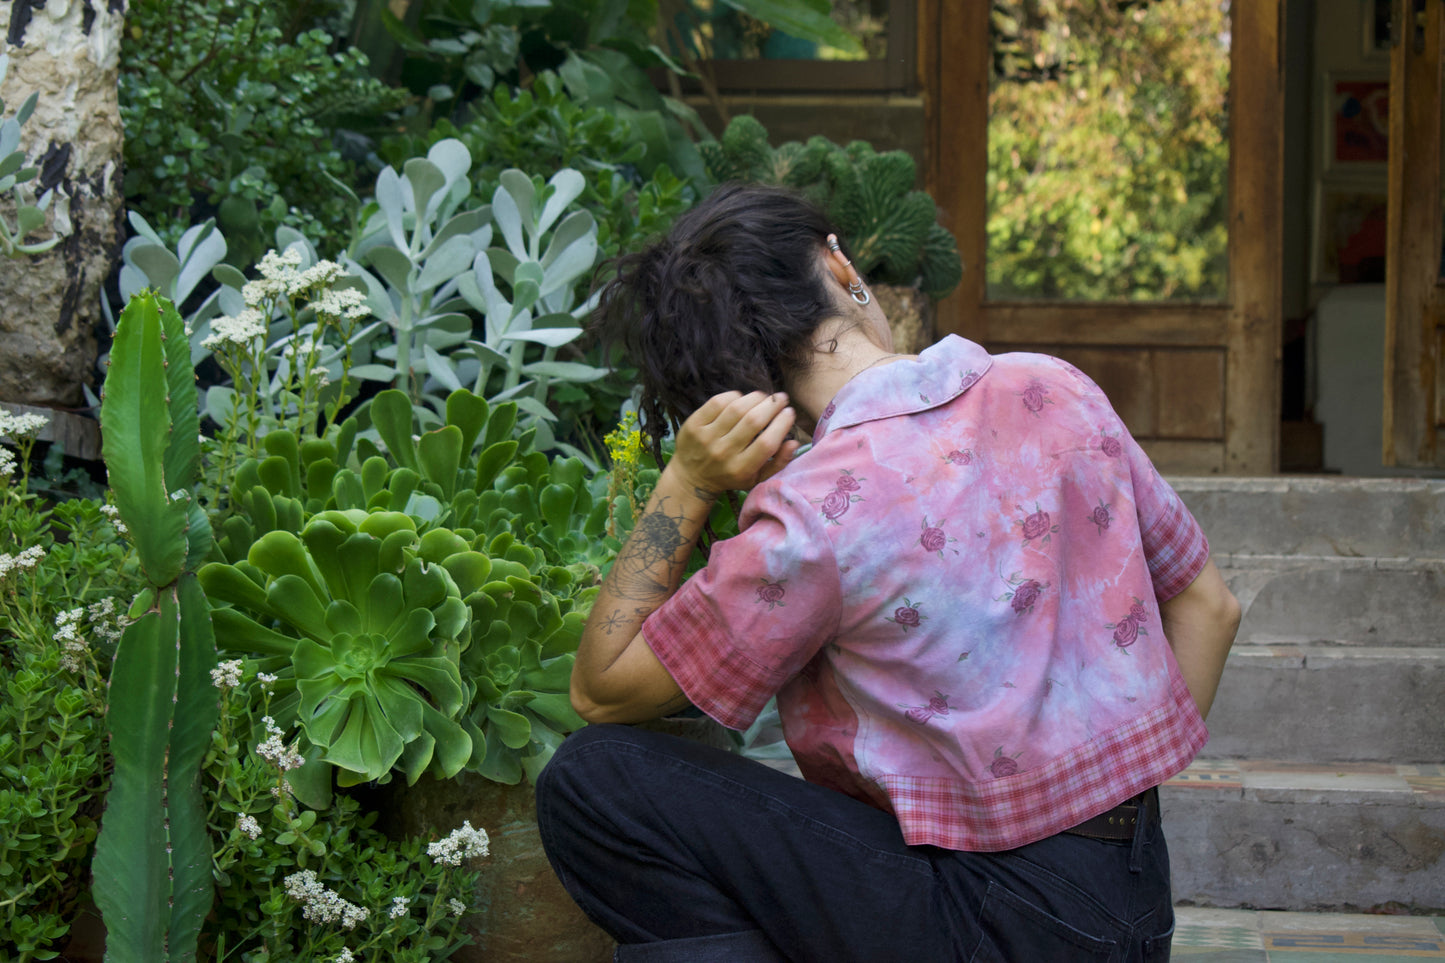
152, 863
891, 229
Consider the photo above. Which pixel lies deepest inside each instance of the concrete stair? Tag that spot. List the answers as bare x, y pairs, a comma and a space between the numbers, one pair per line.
1323, 783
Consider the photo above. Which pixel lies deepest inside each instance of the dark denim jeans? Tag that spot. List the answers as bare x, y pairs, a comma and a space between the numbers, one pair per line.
688, 854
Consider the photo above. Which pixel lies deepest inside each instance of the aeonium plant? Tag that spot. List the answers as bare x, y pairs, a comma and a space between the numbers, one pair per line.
420, 606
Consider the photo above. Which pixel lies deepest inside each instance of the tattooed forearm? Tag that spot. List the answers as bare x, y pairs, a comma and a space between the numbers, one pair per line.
648, 568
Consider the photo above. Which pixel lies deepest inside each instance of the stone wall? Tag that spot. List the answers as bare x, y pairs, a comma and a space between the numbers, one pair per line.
68, 51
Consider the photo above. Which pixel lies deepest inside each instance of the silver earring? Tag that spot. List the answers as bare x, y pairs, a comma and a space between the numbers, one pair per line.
859, 292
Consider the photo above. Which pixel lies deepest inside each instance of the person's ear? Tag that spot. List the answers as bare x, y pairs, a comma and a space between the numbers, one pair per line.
838, 264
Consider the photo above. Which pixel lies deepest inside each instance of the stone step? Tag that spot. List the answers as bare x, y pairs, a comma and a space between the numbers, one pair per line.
1348, 517
1324, 701
1336, 837
1393, 601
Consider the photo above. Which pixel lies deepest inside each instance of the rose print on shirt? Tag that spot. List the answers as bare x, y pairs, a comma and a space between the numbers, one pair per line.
959, 457
1037, 525
966, 379
933, 538
1035, 395
919, 715
1003, 765
907, 615
1024, 592
1111, 446
1101, 517
834, 505
772, 593
828, 410
1128, 629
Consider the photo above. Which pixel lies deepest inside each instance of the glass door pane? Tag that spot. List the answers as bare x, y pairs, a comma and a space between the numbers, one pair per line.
1108, 150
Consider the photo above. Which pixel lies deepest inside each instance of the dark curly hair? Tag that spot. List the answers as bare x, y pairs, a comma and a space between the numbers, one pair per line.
729, 300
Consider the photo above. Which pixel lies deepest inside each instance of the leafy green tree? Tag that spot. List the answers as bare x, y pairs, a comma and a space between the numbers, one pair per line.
1108, 149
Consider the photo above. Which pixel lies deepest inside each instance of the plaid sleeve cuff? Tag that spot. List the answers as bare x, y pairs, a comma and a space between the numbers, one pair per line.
692, 644
1176, 549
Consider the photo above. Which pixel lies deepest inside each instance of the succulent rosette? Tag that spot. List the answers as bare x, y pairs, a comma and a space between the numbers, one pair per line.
373, 634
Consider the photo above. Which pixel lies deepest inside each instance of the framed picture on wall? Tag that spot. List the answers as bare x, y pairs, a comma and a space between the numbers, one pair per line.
1350, 234
1375, 29
1356, 132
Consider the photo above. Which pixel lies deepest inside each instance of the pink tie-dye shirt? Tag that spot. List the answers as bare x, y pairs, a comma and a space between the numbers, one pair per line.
955, 596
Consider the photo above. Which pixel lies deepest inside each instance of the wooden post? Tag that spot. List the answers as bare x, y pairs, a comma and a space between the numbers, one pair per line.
1414, 394
1256, 239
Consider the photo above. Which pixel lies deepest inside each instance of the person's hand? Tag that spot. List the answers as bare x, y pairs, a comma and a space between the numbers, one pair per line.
734, 441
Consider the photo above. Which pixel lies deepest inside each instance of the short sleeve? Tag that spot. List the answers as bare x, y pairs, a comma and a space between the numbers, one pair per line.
1174, 544
766, 602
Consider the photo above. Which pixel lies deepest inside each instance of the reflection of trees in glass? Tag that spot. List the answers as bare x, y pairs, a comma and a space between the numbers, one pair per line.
1108, 149
717, 29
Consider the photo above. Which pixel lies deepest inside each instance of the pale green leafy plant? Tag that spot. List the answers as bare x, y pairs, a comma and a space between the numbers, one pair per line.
14, 176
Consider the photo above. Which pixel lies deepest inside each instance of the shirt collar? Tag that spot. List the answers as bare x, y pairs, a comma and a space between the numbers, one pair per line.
941, 373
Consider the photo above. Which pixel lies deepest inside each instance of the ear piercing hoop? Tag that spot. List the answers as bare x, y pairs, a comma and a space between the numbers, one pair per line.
855, 286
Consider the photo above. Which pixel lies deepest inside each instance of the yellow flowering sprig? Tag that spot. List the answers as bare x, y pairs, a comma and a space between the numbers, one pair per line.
624, 448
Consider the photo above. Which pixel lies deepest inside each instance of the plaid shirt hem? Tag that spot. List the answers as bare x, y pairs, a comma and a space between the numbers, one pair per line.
1015, 810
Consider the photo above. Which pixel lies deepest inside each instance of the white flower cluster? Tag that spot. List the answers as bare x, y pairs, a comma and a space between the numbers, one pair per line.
460, 844
21, 426
243, 329
105, 621
7, 463
280, 277
247, 824
227, 675
456, 906
276, 752
398, 907
345, 956
113, 513
342, 303
321, 904
70, 640
268, 682
22, 560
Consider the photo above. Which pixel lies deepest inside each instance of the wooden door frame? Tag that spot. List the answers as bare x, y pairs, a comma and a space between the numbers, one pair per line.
1415, 299
954, 59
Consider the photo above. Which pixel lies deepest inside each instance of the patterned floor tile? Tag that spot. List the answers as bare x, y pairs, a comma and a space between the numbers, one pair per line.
1217, 937
1375, 946
1209, 774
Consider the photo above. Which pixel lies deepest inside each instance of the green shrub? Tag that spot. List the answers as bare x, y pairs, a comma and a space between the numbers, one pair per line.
226, 115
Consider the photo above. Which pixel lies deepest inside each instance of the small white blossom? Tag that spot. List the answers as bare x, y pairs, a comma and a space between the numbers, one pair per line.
71, 642
276, 752
105, 621
268, 682
343, 303
227, 675
456, 906
460, 844
25, 559
345, 956
243, 329
7, 463
321, 904
248, 825
398, 906
113, 513
21, 426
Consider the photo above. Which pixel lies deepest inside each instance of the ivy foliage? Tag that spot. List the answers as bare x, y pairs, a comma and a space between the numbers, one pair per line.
227, 114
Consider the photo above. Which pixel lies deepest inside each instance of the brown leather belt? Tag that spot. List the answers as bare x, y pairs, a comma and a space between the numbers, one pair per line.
1119, 823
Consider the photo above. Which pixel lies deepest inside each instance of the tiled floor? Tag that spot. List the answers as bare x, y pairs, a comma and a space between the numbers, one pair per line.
1267, 773
1246, 936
